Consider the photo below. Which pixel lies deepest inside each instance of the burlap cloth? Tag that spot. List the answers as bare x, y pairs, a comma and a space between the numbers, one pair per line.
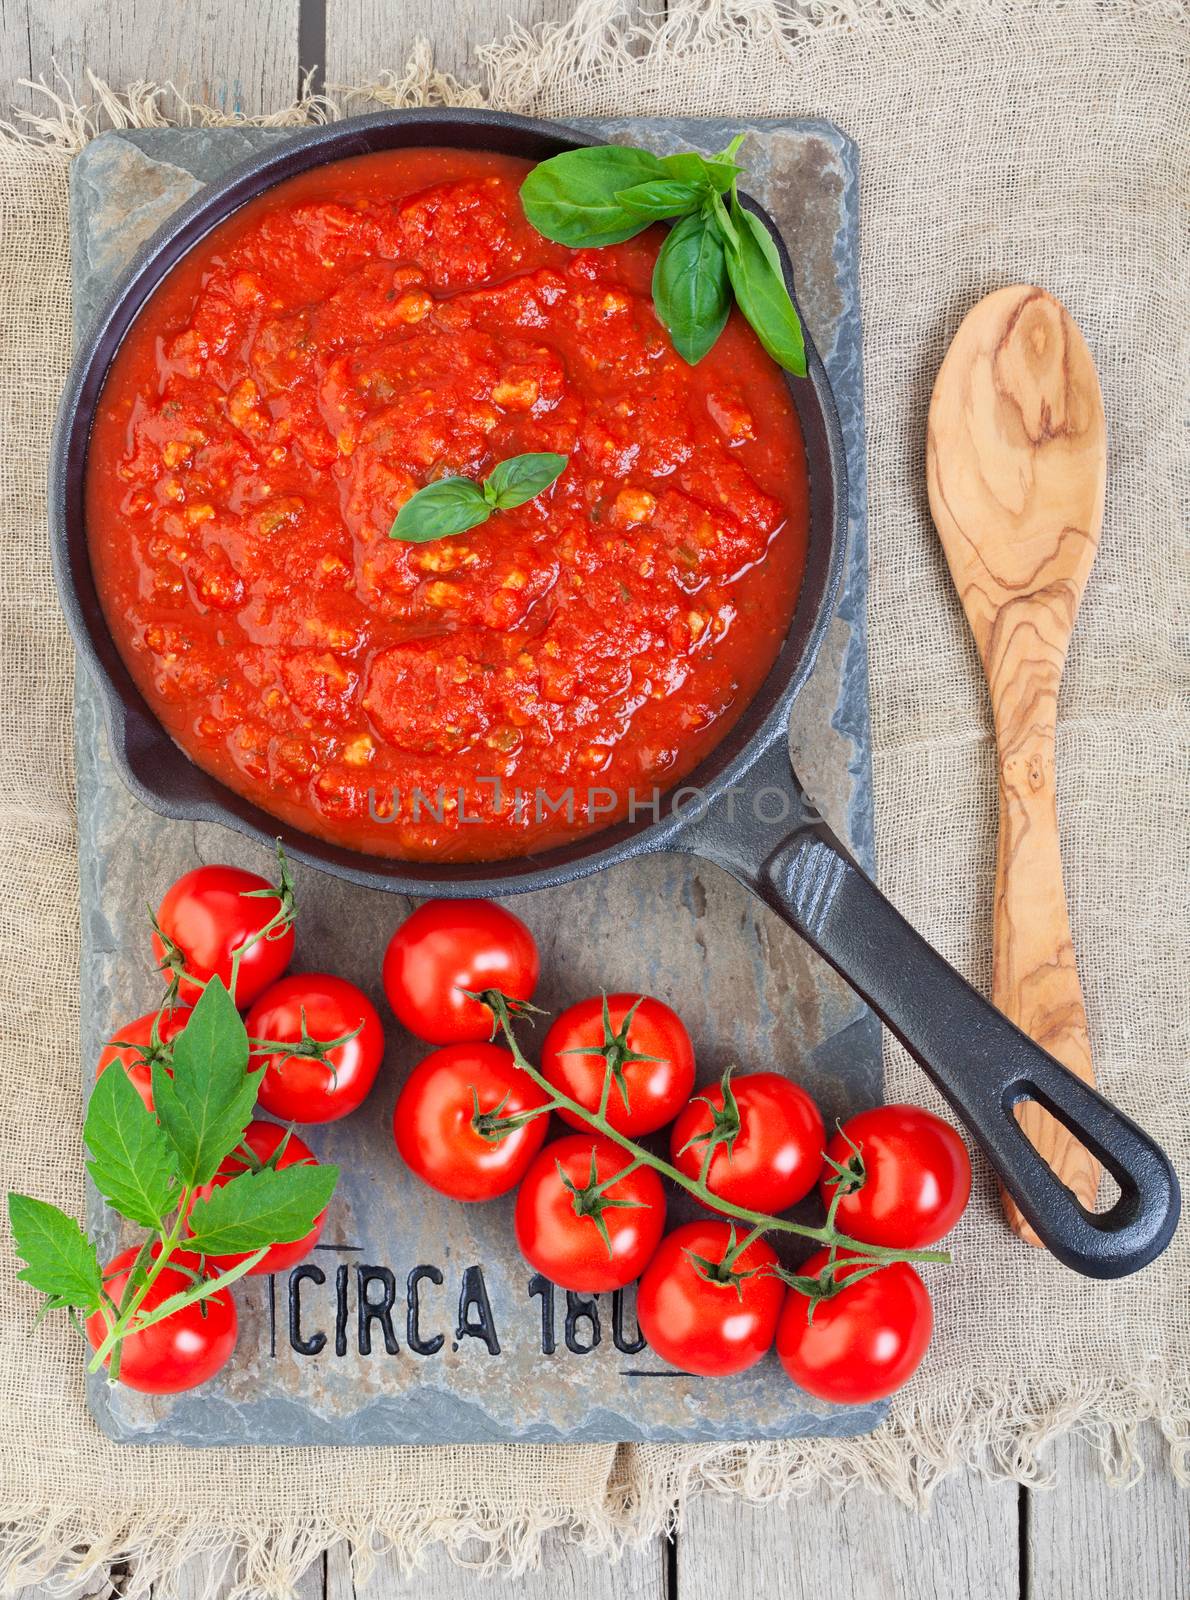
1038, 142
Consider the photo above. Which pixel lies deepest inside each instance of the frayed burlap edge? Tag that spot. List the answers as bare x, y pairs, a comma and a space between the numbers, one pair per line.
62, 1552
597, 38
1002, 1432
66, 123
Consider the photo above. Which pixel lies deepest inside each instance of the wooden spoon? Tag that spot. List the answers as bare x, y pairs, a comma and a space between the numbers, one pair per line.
1016, 459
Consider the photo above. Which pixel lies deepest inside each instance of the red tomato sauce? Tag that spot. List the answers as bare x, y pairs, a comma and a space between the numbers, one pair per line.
335, 345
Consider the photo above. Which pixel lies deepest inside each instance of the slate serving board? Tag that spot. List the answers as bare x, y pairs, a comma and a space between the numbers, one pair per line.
416, 1321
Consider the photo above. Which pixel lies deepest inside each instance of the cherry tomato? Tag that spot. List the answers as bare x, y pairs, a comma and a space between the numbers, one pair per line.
435, 1131
447, 947
209, 914
702, 1325
656, 1090
917, 1177
182, 1350
133, 1045
308, 1011
262, 1138
776, 1153
557, 1231
864, 1342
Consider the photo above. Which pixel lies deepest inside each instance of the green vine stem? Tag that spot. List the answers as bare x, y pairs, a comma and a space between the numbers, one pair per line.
759, 1222
173, 962
134, 1293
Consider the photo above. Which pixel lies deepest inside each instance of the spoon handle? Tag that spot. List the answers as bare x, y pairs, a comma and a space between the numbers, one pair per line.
1034, 977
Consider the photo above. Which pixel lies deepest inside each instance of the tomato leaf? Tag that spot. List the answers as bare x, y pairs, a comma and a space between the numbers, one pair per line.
661, 197
59, 1258
759, 284
691, 289
207, 1103
261, 1208
571, 198
134, 1166
450, 505
521, 478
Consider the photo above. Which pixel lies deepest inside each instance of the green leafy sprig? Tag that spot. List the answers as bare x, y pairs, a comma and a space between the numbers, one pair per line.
452, 505
150, 1167
717, 249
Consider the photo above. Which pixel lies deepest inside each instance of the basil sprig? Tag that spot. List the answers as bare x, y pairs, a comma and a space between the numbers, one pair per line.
452, 505
717, 249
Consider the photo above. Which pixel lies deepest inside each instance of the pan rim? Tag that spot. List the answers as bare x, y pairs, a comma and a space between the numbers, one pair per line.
138, 741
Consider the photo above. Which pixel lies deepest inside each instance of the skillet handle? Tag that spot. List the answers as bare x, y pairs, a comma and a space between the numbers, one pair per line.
980, 1060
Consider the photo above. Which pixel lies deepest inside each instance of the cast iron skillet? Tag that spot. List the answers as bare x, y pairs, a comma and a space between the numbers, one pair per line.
980, 1061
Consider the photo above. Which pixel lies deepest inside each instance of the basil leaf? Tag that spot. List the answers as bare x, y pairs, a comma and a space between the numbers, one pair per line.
690, 287
59, 1258
261, 1208
521, 478
571, 198
207, 1103
133, 1164
451, 505
759, 284
717, 172
606, 194
663, 197
720, 216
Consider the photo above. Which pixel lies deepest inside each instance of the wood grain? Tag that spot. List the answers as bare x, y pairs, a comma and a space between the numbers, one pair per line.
224, 53
368, 36
863, 1546
210, 1577
1016, 465
1088, 1540
100, 1587
565, 1572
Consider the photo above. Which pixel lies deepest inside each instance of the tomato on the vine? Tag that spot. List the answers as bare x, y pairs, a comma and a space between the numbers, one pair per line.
766, 1137
209, 914
446, 1121
701, 1322
444, 949
335, 1047
182, 1350
141, 1045
646, 1047
577, 1237
906, 1177
263, 1139
861, 1343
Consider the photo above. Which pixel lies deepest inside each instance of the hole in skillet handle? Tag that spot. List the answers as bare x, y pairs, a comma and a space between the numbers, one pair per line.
1125, 1202
981, 1061
1107, 1190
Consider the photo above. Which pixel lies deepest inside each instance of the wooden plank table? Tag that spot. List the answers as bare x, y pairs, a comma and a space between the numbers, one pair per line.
984, 1541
